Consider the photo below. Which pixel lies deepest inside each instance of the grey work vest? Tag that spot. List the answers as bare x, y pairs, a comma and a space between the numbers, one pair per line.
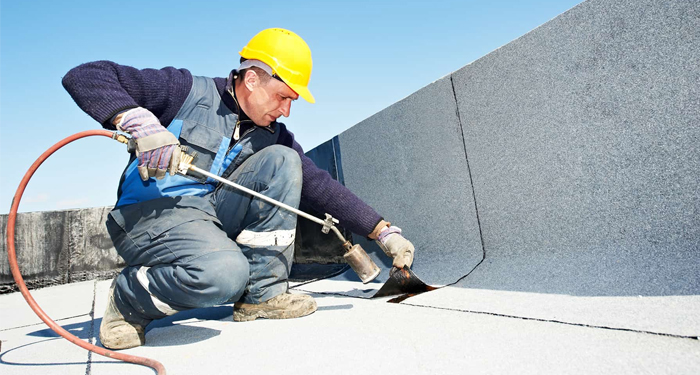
205, 125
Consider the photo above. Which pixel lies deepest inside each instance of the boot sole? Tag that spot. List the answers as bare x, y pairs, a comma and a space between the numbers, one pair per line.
249, 316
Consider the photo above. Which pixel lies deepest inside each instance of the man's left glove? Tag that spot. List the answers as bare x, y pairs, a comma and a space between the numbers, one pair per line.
157, 149
396, 246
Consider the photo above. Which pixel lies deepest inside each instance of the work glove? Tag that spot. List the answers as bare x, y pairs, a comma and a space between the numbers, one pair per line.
396, 246
157, 149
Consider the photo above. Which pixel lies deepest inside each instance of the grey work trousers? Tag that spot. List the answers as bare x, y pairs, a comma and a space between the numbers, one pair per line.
189, 252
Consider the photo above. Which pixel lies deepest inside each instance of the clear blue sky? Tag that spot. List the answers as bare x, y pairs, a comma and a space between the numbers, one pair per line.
367, 55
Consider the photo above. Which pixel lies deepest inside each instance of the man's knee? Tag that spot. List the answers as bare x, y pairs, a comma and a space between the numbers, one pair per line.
285, 159
223, 275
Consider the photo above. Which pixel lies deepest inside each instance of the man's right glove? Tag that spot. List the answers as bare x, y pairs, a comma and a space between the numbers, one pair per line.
396, 246
157, 149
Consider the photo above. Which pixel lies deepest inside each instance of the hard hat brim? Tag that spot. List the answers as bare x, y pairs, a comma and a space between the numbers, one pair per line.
303, 91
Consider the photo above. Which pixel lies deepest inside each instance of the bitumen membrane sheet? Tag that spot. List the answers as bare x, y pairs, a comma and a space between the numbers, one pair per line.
581, 138
555, 178
345, 336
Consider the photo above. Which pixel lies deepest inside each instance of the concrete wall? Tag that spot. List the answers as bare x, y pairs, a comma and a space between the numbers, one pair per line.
57, 247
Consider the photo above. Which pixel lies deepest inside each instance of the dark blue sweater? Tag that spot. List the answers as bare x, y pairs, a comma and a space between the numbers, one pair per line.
102, 89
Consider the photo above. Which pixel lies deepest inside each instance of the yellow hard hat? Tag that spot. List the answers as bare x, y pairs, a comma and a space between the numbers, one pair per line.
288, 56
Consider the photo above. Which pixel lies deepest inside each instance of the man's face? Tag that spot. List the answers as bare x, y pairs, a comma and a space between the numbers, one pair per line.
268, 101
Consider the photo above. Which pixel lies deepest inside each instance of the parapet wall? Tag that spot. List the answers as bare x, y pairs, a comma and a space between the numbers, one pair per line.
57, 247
567, 160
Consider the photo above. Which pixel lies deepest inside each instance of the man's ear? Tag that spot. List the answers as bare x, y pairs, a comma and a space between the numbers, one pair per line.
251, 79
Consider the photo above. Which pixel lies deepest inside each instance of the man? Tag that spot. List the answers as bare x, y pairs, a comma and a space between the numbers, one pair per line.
188, 241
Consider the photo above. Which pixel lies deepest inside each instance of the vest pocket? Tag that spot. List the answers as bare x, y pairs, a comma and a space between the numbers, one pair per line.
204, 141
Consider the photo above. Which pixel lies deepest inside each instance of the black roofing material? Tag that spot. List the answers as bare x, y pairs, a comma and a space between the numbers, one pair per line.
311, 245
402, 282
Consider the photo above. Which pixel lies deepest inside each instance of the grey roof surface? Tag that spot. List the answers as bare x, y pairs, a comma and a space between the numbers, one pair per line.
345, 336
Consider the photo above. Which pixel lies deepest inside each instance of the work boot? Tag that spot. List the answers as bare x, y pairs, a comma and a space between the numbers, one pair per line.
284, 306
115, 331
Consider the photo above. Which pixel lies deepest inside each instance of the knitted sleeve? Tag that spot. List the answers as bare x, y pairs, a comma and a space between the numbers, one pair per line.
326, 195
103, 88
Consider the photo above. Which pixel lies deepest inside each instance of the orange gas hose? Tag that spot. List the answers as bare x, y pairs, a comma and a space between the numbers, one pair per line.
12, 257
